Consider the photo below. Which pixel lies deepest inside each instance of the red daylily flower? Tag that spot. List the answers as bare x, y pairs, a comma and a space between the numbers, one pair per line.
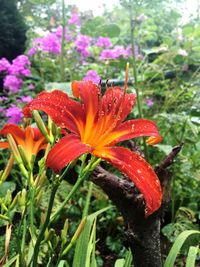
97, 125
31, 139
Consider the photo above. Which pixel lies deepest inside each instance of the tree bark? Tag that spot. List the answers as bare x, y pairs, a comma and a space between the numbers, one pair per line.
142, 234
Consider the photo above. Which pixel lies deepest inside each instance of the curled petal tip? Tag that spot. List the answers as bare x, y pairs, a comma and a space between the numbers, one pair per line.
153, 140
75, 90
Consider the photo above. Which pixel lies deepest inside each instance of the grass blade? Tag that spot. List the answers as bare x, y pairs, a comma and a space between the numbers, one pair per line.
177, 246
191, 258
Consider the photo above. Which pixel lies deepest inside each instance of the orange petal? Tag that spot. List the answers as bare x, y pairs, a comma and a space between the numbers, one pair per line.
16, 132
115, 106
89, 94
153, 140
130, 129
64, 111
66, 150
4, 145
138, 170
75, 90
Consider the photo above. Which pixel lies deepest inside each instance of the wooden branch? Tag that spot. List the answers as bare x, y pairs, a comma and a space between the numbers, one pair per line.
142, 235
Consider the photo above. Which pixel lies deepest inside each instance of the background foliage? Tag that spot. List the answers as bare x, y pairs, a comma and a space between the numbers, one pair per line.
167, 58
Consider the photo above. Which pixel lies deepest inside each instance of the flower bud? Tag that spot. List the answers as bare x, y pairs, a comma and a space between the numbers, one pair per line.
16, 154
23, 156
41, 125
64, 231
4, 174
153, 140
22, 199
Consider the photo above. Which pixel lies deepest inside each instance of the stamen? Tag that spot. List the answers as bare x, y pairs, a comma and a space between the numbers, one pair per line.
122, 101
112, 111
126, 77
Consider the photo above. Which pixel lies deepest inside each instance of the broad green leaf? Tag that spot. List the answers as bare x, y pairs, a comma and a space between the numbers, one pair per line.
191, 256
177, 246
5, 187
109, 30
91, 26
164, 148
119, 263
188, 29
196, 48
42, 2
65, 87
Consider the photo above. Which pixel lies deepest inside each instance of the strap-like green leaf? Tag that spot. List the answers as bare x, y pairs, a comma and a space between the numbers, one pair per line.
128, 259
11, 261
191, 256
83, 245
119, 263
177, 246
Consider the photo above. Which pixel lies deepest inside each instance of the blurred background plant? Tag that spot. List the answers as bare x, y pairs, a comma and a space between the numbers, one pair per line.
63, 44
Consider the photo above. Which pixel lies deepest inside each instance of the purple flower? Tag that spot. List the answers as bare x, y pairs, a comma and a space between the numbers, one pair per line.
114, 53
68, 36
4, 65
149, 102
32, 51
12, 83
1, 110
20, 66
14, 113
31, 86
82, 42
26, 99
103, 42
3, 98
118, 51
107, 54
74, 19
92, 75
51, 44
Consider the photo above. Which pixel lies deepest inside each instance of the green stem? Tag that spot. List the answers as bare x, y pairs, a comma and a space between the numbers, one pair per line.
71, 193
62, 54
83, 175
87, 203
134, 60
32, 196
45, 225
139, 103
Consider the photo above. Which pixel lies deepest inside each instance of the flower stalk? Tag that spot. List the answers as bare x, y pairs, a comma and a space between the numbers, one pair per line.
62, 56
139, 103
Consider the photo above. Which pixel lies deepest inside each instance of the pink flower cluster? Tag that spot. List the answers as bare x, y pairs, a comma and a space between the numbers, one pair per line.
13, 113
92, 75
74, 19
49, 44
103, 42
19, 68
117, 52
82, 44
